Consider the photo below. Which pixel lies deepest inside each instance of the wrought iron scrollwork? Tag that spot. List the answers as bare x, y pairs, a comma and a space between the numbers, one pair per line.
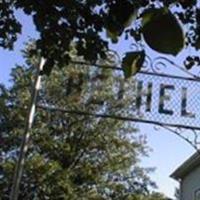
112, 59
164, 68
163, 65
191, 136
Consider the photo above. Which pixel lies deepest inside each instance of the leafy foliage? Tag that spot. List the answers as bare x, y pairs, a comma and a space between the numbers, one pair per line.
61, 22
72, 156
156, 196
9, 26
120, 16
152, 196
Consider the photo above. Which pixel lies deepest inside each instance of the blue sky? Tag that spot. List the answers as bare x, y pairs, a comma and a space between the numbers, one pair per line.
168, 150
8, 59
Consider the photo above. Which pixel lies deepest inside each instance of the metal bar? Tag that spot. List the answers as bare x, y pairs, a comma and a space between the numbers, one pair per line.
178, 67
182, 137
117, 117
25, 140
96, 65
170, 76
197, 79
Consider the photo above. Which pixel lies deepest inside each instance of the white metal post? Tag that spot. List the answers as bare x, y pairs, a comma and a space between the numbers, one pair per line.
25, 140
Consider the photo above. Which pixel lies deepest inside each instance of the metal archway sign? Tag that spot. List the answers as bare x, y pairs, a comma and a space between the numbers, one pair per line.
162, 99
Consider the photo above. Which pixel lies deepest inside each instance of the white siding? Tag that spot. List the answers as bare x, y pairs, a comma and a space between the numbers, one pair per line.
190, 184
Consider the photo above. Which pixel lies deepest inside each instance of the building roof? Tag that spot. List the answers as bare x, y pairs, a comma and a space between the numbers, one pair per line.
188, 166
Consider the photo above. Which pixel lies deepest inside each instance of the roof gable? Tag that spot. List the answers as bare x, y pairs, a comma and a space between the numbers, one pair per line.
188, 166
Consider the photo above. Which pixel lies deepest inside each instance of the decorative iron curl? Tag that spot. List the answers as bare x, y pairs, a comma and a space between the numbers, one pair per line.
147, 64
156, 65
160, 65
190, 136
112, 59
136, 47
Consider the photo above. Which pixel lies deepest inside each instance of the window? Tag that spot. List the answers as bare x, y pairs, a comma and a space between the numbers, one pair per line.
197, 195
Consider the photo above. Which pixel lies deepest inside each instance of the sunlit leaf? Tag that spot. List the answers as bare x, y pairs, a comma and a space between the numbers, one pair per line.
132, 63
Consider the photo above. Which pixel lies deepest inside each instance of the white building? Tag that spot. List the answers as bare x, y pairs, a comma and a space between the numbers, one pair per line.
188, 175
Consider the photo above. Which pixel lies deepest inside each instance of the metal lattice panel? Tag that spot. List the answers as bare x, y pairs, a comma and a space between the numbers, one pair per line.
169, 100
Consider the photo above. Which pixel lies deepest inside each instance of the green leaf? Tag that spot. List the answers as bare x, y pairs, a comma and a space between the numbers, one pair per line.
197, 43
162, 32
132, 63
113, 35
120, 16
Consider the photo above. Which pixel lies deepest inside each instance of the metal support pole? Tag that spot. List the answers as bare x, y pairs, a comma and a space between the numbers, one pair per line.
25, 140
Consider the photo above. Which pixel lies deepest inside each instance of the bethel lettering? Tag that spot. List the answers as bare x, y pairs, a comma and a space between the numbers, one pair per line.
144, 97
